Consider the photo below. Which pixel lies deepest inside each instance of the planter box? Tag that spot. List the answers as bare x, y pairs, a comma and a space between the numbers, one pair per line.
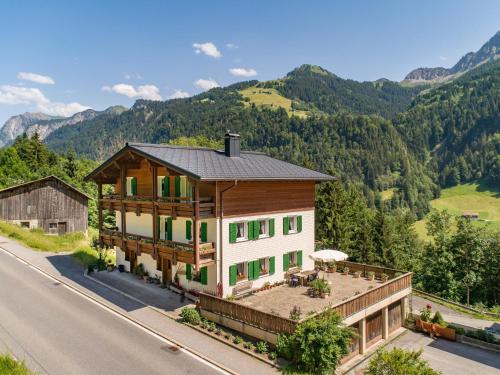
176, 290
478, 343
436, 330
191, 297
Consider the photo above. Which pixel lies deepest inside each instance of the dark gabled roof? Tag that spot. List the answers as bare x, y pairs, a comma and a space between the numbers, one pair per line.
210, 165
52, 177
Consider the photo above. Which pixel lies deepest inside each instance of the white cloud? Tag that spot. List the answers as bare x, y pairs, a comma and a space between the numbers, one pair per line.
231, 46
443, 58
129, 76
208, 49
179, 94
242, 72
206, 84
38, 78
150, 92
12, 95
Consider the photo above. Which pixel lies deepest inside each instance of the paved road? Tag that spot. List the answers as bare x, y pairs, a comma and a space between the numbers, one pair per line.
57, 331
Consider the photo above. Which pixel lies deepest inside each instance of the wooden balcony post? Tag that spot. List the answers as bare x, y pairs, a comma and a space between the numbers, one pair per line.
196, 226
154, 174
99, 208
385, 322
123, 192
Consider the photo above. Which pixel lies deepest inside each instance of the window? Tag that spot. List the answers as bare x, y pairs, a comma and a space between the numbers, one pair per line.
131, 187
242, 272
52, 225
293, 259
292, 224
196, 276
263, 266
26, 224
263, 228
241, 231
186, 189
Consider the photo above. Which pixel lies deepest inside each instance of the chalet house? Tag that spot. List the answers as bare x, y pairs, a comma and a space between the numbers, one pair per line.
213, 221
48, 203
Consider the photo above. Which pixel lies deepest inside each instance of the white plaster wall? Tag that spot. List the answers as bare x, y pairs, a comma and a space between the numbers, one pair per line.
190, 284
276, 246
120, 259
149, 264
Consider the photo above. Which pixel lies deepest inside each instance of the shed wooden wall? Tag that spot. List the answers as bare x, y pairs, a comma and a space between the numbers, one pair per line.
46, 201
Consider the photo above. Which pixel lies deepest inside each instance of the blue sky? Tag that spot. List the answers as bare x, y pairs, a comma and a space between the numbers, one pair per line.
60, 57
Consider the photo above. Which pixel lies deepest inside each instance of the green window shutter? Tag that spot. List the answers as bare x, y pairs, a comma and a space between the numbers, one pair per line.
204, 232
133, 185
256, 269
233, 231
299, 223
169, 228
250, 231
188, 230
272, 263
233, 272
204, 275
177, 186
250, 270
286, 262
271, 227
166, 187
286, 225
158, 227
256, 229
299, 258
188, 272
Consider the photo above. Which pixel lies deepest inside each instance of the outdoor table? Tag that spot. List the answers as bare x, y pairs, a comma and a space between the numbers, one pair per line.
304, 276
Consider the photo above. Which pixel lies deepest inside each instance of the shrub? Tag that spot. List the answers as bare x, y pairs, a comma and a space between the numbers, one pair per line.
425, 313
227, 336
482, 335
438, 319
9, 365
261, 347
272, 356
458, 330
317, 345
249, 345
399, 361
237, 340
190, 315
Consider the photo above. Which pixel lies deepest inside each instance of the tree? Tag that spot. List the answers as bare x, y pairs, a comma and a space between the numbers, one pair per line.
318, 344
399, 362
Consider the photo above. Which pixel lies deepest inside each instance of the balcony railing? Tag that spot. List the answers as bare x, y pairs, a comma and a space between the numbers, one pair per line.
171, 206
183, 252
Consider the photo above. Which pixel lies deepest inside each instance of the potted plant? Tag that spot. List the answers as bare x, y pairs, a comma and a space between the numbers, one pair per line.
370, 275
332, 267
110, 266
121, 268
384, 277
345, 271
357, 274
145, 276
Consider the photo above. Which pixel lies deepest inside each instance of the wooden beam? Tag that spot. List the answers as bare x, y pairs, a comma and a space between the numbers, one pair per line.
123, 179
99, 207
154, 177
196, 226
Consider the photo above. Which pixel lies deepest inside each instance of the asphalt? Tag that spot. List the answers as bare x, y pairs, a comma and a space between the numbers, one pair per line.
57, 331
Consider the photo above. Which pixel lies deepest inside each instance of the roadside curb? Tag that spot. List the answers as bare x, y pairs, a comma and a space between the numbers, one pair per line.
126, 316
266, 361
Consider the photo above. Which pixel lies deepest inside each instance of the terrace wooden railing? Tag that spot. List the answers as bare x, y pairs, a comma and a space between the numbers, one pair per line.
265, 321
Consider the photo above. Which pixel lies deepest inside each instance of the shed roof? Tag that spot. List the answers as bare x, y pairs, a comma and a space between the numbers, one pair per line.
51, 177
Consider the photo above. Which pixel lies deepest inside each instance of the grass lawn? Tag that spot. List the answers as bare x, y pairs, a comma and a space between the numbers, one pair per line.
9, 366
270, 98
36, 239
475, 197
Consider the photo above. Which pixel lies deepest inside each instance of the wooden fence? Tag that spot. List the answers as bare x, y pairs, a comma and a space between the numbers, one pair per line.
268, 322
364, 268
278, 324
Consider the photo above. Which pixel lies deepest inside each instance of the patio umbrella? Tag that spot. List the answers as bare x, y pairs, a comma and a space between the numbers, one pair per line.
328, 256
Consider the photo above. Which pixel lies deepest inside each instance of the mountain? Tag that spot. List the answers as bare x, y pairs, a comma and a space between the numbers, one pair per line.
43, 124
488, 52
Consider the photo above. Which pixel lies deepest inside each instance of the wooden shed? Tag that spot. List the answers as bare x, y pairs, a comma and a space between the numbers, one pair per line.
48, 203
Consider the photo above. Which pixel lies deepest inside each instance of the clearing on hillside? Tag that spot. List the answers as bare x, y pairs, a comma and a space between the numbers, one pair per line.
270, 98
475, 197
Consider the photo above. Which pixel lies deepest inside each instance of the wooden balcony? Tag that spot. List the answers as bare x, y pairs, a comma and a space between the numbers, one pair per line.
172, 250
167, 206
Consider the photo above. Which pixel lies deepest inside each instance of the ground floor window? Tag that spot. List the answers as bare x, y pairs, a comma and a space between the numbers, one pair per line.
293, 259
263, 266
242, 271
26, 224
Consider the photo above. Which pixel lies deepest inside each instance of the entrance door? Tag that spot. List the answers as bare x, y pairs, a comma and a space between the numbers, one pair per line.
133, 260
61, 227
166, 271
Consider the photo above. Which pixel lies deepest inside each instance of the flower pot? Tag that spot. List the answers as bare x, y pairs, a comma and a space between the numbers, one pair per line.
121, 268
110, 268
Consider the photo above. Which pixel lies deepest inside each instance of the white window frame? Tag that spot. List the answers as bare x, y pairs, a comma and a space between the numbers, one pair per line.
245, 231
159, 186
186, 188
292, 224
245, 272
129, 186
266, 267
266, 228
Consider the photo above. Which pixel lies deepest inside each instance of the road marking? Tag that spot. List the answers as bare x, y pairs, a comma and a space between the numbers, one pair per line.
185, 349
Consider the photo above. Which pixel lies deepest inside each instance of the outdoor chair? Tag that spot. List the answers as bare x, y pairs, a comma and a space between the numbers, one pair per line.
294, 281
